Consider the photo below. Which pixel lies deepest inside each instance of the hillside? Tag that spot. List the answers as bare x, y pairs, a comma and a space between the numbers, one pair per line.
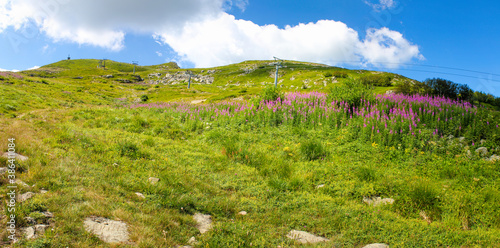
233, 162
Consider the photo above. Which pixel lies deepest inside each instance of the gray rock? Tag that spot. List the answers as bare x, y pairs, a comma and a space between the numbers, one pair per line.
25, 196
108, 76
22, 183
109, 231
242, 213
305, 237
320, 186
375, 201
43, 191
48, 214
15, 155
377, 245
140, 195
482, 151
3, 170
34, 232
153, 180
482, 141
192, 241
204, 222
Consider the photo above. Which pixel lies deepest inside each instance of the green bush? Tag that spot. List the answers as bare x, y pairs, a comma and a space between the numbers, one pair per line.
144, 98
381, 80
352, 93
271, 93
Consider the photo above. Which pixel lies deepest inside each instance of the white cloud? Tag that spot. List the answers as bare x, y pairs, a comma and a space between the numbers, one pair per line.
33, 68
103, 23
225, 40
383, 47
381, 4
200, 31
159, 53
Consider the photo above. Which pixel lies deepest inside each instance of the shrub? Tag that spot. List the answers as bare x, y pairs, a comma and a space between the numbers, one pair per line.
382, 80
271, 93
144, 98
351, 93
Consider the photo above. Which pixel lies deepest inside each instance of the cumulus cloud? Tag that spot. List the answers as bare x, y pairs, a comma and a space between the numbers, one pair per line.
201, 32
225, 40
103, 23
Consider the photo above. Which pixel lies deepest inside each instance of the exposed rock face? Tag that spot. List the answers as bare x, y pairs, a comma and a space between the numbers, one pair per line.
305, 237
109, 231
183, 76
204, 222
375, 201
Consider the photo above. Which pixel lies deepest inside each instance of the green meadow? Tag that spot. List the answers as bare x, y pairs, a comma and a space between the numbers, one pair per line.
305, 156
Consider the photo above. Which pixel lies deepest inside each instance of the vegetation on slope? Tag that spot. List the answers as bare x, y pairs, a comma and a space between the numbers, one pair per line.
292, 158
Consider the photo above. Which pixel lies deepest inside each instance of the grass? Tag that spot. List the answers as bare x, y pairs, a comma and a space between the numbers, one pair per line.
95, 152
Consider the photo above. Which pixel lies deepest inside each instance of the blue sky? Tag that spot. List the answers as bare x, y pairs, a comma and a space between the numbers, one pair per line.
418, 39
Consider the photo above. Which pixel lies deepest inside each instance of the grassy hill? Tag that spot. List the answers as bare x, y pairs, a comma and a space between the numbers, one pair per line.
309, 160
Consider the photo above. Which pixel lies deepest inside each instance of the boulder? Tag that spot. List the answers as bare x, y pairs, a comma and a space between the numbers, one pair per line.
34, 232
305, 237
482, 151
15, 155
109, 231
25, 196
204, 222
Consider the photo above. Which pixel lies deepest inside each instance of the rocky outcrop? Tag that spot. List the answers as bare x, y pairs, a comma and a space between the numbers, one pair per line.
182, 77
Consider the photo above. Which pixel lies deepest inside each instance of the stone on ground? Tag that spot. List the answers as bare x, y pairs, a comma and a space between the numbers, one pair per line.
482, 151
25, 196
305, 237
153, 180
34, 232
493, 158
3, 170
204, 222
377, 245
16, 156
140, 195
242, 213
109, 231
375, 201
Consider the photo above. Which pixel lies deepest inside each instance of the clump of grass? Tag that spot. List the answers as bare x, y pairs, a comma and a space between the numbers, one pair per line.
366, 174
131, 150
313, 150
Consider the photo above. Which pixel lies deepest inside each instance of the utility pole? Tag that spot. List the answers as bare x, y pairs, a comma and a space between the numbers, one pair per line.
189, 81
279, 64
135, 63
